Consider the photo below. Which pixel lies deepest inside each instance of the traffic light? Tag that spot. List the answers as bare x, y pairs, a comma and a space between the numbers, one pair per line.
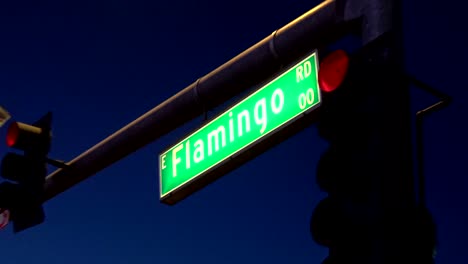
23, 194
358, 214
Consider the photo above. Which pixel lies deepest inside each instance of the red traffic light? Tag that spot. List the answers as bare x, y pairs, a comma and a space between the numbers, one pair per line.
12, 134
333, 70
4, 217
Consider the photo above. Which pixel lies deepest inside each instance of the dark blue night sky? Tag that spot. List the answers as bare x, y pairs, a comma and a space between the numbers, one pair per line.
98, 65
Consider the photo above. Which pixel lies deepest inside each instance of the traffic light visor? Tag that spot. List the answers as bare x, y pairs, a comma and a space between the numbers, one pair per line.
23, 136
333, 70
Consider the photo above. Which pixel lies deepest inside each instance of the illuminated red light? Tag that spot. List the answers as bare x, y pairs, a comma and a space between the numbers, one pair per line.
333, 70
12, 134
4, 218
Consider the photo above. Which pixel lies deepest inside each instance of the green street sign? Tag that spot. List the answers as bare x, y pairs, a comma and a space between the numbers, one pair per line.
192, 162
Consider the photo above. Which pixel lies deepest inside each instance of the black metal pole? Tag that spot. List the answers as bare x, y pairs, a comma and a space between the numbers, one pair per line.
390, 210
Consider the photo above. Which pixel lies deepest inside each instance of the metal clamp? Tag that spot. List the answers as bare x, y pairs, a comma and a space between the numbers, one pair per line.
199, 99
272, 47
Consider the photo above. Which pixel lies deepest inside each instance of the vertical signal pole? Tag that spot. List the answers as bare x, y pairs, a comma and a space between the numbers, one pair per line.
393, 200
394, 214
371, 214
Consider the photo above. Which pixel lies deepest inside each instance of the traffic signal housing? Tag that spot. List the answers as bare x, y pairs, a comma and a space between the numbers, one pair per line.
361, 209
23, 194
